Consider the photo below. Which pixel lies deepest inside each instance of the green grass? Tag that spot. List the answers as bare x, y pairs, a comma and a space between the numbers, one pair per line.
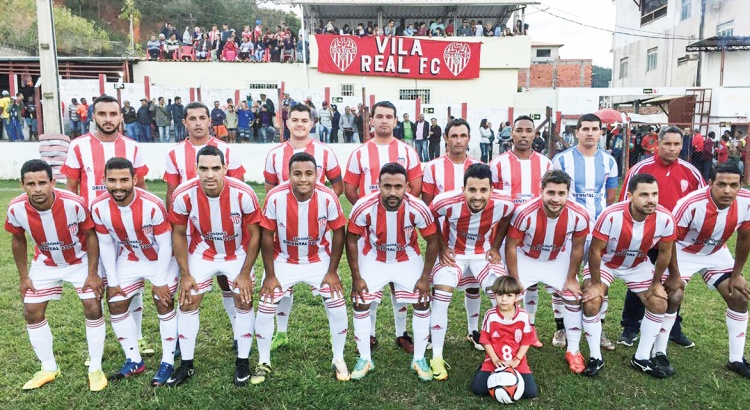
303, 378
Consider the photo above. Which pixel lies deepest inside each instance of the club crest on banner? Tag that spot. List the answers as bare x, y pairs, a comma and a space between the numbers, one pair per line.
343, 52
456, 57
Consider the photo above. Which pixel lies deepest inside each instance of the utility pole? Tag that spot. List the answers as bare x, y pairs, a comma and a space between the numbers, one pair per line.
48, 69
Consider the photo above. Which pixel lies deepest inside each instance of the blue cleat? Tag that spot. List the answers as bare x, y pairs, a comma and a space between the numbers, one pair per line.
163, 374
128, 369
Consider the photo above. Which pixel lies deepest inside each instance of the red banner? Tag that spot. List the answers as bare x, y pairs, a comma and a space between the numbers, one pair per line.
406, 57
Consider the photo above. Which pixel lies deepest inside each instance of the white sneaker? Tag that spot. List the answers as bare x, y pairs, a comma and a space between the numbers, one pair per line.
342, 372
558, 339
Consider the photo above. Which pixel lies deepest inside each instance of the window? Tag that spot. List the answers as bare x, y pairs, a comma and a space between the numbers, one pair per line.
544, 52
652, 57
423, 94
652, 10
263, 86
687, 9
623, 67
347, 90
725, 29
682, 60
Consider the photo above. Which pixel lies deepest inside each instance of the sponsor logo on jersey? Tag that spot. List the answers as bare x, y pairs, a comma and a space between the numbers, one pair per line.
495, 334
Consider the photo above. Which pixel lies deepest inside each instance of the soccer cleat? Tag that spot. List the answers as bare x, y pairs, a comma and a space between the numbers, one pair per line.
593, 366
558, 339
41, 378
342, 372
145, 347
405, 342
373, 343
606, 344
742, 368
660, 360
473, 338
627, 338
362, 368
280, 339
180, 376
177, 351
646, 366
130, 368
261, 373
575, 362
535, 342
682, 340
163, 374
439, 371
241, 372
97, 380
87, 362
423, 369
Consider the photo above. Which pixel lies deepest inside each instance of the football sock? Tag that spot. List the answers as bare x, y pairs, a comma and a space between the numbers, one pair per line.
264, 331
188, 324
136, 311
592, 326
40, 337
95, 333
650, 328
168, 332
557, 309
604, 308
338, 324
282, 312
573, 323
243, 331
662, 339
373, 316
399, 315
362, 326
491, 295
472, 302
124, 327
420, 325
737, 327
530, 302
438, 321
560, 323
227, 299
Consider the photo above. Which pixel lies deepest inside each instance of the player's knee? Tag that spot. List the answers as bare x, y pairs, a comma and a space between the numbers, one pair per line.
92, 309
656, 305
118, 308
532, 288
238, 304
592, 307
530, 390
421, 306
361, 307
471, 291
675, 298
32, 315
737, 302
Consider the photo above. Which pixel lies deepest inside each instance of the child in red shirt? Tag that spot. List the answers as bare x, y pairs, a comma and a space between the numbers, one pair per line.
506, 336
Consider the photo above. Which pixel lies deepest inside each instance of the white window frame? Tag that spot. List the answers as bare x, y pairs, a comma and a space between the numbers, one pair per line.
686, 10
725, 29
652, 59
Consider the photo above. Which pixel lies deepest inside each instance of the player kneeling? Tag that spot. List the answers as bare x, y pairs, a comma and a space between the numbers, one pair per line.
388, 220
506, 336
135, 244
470, 217
298, 218
622, 237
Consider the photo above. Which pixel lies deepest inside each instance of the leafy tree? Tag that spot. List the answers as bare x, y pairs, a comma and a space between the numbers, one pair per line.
601, 77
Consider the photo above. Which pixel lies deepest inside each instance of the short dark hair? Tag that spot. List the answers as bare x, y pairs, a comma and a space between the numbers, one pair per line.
210, 150
507, 285
393, 168
521, 118
302, 157
35, 165
384, 104
119, 163
640, 179
300, 108
590, 118
457, 123
478, 171
556, 176
724, 169
669, 130
197, 105
104, 98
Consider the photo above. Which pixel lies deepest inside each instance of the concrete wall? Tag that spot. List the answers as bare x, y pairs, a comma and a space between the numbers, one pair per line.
557, 73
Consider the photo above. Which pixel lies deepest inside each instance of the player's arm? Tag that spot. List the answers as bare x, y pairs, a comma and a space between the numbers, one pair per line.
270, 283
576, 257
611, 196
518, 358
427, 197
180, 249
170, 190
423, 284
72, 185
108, 256
351, 193
359, 287
19, 246
93, 281
511, 256
338, 187
244, 280
415, 186
594, 290
159, 285
742, 248
662, 261
337, 250
269, 186
672, 266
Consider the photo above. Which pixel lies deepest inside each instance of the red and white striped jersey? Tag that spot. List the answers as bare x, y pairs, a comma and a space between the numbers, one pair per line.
522, 178
87, 156
464, 231
442, 175
58, 232
390, 236
363, 169
133, 227
302, 229
218, 226
543, 238
181, 166
702, 228
506, 335
277, 162
628, 241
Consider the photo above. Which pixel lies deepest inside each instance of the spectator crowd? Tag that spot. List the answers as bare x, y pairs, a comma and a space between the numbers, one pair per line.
434, 28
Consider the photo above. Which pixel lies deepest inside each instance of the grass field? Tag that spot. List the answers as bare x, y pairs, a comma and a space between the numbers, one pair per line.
303, 378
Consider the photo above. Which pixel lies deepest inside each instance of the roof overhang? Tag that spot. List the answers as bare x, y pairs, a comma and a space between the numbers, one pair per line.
661, 99
719, 43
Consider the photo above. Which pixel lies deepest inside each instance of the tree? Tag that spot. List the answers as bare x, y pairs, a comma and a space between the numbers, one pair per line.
601, 77
131, 13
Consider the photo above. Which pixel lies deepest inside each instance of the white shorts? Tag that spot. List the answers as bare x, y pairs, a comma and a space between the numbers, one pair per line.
552, 273
131, 276
475, 270
204, 271
714, 268
403, 275
637, 278
48, 281
290, 274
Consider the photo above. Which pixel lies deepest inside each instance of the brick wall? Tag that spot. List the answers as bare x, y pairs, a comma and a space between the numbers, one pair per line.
558, 73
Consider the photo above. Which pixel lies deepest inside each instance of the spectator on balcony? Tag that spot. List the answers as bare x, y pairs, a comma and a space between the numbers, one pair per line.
434, 26
346, 30
360, 32
330, 27
287, 48
187, 38
247, 33
225, 34
153, 46
508, 32
214, 34
450, 31
203, 48
171, 48
376, 31
488, 30
439, 33
497, 31
479, 29
258, 31
215, 52
370, 30
422, 32
244, 120
168, 30
260, 51
265, 121
177, 111
274, 46
229, 52
519, 29
144, 120
197, 34
464, 30
390, 29
409, 30
246, 49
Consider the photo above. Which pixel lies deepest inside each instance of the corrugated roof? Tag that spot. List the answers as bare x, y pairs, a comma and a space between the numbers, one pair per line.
717, 43
411, 9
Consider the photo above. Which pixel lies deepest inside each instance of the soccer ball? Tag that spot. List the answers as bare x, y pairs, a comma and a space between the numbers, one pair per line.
506, 385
